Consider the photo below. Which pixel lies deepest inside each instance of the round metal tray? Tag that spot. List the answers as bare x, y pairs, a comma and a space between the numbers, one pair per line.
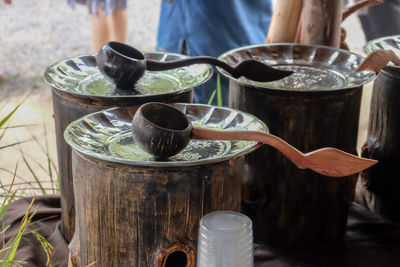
81, 77
106, 135
316, 68
387, 43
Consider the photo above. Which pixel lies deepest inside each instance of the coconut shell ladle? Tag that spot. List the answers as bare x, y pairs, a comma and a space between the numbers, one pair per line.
164, 131
124, 65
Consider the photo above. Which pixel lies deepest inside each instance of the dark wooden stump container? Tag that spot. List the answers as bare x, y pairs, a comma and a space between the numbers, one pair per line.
290, 206
378, 187
70, 104
143, 212
68, 108
132, 216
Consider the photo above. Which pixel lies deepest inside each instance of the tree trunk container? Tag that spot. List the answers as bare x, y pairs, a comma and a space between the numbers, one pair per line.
290, 206
146, 212
78, 89
377, 188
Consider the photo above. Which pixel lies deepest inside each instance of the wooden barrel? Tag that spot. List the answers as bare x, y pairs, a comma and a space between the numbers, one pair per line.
70, 103
133, 216
67, 108
290, 206
378, 187
133, 210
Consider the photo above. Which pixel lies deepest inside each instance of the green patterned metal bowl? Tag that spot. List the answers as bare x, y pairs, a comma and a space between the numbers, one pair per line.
106, 135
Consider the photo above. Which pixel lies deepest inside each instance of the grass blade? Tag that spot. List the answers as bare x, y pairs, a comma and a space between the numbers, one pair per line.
212, 97
47, 247
18, 176
49, 161
33, 174
3, 133
219, 92
6, 118
4, 207
25, 221
13, 144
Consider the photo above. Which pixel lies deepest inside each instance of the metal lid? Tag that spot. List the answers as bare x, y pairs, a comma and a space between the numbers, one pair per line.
317, 68
106, 135
81, 77
387, 43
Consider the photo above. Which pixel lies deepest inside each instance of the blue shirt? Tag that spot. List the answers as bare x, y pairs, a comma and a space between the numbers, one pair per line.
212, 27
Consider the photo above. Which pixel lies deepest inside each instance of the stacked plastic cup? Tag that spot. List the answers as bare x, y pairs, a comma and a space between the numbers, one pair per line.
225, 240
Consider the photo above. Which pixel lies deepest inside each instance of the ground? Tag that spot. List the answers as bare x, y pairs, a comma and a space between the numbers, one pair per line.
36, 34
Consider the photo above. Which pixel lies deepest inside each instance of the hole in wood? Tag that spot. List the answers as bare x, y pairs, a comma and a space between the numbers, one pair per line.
177, 255
175, 259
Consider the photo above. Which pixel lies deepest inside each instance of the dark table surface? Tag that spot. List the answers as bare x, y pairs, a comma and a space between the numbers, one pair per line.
369, 240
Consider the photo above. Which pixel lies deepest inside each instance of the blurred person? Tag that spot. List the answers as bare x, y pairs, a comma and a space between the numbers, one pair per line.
210, 28
108, 19
381, 20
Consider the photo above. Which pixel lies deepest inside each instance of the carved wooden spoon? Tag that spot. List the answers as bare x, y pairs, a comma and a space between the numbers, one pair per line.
164, 131
377, 60
124, 65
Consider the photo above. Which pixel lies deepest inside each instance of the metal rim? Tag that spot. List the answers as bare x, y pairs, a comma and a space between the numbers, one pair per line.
368, 76
50, 82
163, 164
373, 45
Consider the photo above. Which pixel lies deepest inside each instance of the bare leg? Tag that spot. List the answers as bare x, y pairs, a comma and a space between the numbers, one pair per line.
119, 25
101, 27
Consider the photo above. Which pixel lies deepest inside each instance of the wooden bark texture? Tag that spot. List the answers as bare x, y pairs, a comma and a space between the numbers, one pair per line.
320, 22
289, 206
285, 21
137, 216
74, 250
378, 186
68, 108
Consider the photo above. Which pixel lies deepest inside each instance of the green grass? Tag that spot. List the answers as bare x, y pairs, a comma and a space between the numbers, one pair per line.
6, 262
9, 197
217, 92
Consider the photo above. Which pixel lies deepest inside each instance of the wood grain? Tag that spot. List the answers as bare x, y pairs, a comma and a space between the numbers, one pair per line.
138, 216
289, 206
285, 21
67, 108
378, 187
320, 22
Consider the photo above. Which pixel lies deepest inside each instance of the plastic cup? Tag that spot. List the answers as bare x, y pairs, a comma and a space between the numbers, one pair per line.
225, 240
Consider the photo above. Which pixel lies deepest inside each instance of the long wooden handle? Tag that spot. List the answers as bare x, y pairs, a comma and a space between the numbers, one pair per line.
377, 60
286, 149
326, 161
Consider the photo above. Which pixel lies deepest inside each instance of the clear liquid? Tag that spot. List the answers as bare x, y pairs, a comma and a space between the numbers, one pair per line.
306, 78
150, 83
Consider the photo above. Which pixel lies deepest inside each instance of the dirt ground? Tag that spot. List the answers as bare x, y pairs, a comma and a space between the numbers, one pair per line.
36, 34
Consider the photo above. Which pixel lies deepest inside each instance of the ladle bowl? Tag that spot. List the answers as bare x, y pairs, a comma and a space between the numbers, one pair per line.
121, 64
161, 130
124, 65
164, 131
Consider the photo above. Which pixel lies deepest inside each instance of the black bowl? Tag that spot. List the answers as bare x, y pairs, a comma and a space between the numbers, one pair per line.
161, 130
121, 64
